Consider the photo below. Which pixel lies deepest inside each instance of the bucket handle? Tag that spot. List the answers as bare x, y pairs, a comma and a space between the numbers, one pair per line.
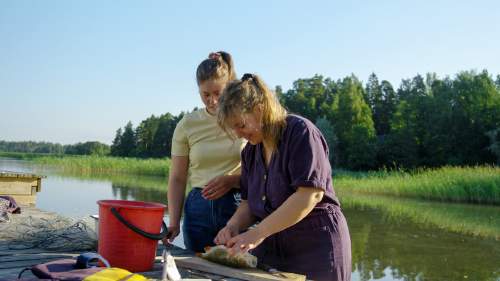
137, 230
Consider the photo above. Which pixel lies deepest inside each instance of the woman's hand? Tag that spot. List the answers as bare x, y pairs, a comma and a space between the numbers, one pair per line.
244, 242
218, 186
173, 231
225, 234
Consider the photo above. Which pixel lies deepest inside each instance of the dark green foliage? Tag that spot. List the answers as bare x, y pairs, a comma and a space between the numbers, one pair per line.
152, 138
427, 122
88, 148
128, 141
31, 147
354, 126
494, 147
328, 132
310, 98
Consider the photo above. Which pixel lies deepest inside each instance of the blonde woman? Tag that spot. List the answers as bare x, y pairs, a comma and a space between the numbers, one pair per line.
209, 158
286, 187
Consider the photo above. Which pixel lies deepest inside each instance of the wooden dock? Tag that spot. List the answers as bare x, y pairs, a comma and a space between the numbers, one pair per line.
22, 186
13, 259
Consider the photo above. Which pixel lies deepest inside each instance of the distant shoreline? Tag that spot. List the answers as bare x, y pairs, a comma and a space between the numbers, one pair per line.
97, 164
478, 184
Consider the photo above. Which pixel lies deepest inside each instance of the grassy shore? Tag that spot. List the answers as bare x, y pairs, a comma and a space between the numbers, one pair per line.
452, 184
98, 164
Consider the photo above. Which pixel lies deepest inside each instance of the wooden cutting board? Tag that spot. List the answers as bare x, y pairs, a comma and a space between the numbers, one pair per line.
200, 264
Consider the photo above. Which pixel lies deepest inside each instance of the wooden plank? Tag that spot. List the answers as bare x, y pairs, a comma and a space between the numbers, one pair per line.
8, 174
39, 185
244, 274
29, 257
32, 251
16, 187
6, 250
28, 263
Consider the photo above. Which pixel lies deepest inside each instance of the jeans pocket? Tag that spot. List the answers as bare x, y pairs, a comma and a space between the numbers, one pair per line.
195, 204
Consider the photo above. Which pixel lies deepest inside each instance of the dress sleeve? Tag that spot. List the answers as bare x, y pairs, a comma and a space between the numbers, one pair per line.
180, 143
308, 164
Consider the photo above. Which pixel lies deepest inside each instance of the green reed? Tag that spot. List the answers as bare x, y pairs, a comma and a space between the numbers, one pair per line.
479, 184
106, 165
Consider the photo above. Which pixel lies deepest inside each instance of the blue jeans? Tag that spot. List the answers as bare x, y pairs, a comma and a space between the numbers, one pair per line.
204, 218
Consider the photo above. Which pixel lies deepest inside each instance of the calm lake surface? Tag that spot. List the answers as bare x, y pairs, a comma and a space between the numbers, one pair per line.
392, 239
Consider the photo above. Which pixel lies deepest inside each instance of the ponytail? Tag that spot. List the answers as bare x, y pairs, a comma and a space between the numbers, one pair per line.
219, 65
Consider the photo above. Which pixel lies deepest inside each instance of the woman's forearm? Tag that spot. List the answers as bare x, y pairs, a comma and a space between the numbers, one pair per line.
234, 180
177, 181
293, 210
175, 197
242, 218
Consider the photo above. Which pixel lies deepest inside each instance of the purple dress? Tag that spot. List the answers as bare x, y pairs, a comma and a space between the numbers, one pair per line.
318, 246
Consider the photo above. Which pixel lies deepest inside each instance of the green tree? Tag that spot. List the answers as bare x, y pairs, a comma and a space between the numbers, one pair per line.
145, 134
400, 148
162, 141
494, 147
311, 98
476, 110
116, 148
374, 98
88, 148
354, 126
328, 132
128, 141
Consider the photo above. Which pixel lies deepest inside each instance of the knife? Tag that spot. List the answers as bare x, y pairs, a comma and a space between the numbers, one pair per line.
271, 270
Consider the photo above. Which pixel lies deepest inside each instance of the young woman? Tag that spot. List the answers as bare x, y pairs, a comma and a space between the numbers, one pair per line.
205, 154
286, 187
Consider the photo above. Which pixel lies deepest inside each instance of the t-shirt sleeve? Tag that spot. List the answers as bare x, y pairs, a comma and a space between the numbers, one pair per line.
308, 164
244, 176
180, 144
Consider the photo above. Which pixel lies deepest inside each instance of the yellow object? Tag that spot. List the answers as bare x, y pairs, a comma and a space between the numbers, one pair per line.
115, 274
210, 150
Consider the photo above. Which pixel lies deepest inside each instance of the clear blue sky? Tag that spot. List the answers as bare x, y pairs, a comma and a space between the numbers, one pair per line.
75, 71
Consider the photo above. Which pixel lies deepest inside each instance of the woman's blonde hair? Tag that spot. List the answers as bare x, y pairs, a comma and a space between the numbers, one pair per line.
219, 65
243, 96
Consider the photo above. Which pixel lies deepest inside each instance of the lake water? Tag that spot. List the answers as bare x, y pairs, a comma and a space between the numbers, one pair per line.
392, 238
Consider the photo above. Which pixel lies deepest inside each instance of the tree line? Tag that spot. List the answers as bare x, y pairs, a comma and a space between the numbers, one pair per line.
85, 148
151, 138
425, 122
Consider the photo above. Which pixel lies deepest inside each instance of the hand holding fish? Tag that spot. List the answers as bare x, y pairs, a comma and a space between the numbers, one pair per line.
225, 234
244, 242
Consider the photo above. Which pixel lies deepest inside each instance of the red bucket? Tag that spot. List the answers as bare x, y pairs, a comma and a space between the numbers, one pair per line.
129, 232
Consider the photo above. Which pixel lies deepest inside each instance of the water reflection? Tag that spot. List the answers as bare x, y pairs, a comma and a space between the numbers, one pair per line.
393, 243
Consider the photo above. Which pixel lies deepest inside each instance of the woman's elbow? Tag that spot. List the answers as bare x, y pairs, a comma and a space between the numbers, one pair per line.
317, 196
314, 195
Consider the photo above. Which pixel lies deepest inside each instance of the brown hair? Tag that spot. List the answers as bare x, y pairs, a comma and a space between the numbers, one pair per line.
219, 65
243, 96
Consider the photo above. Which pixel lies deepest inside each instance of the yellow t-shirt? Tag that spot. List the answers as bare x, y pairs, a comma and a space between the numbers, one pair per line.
210, 150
